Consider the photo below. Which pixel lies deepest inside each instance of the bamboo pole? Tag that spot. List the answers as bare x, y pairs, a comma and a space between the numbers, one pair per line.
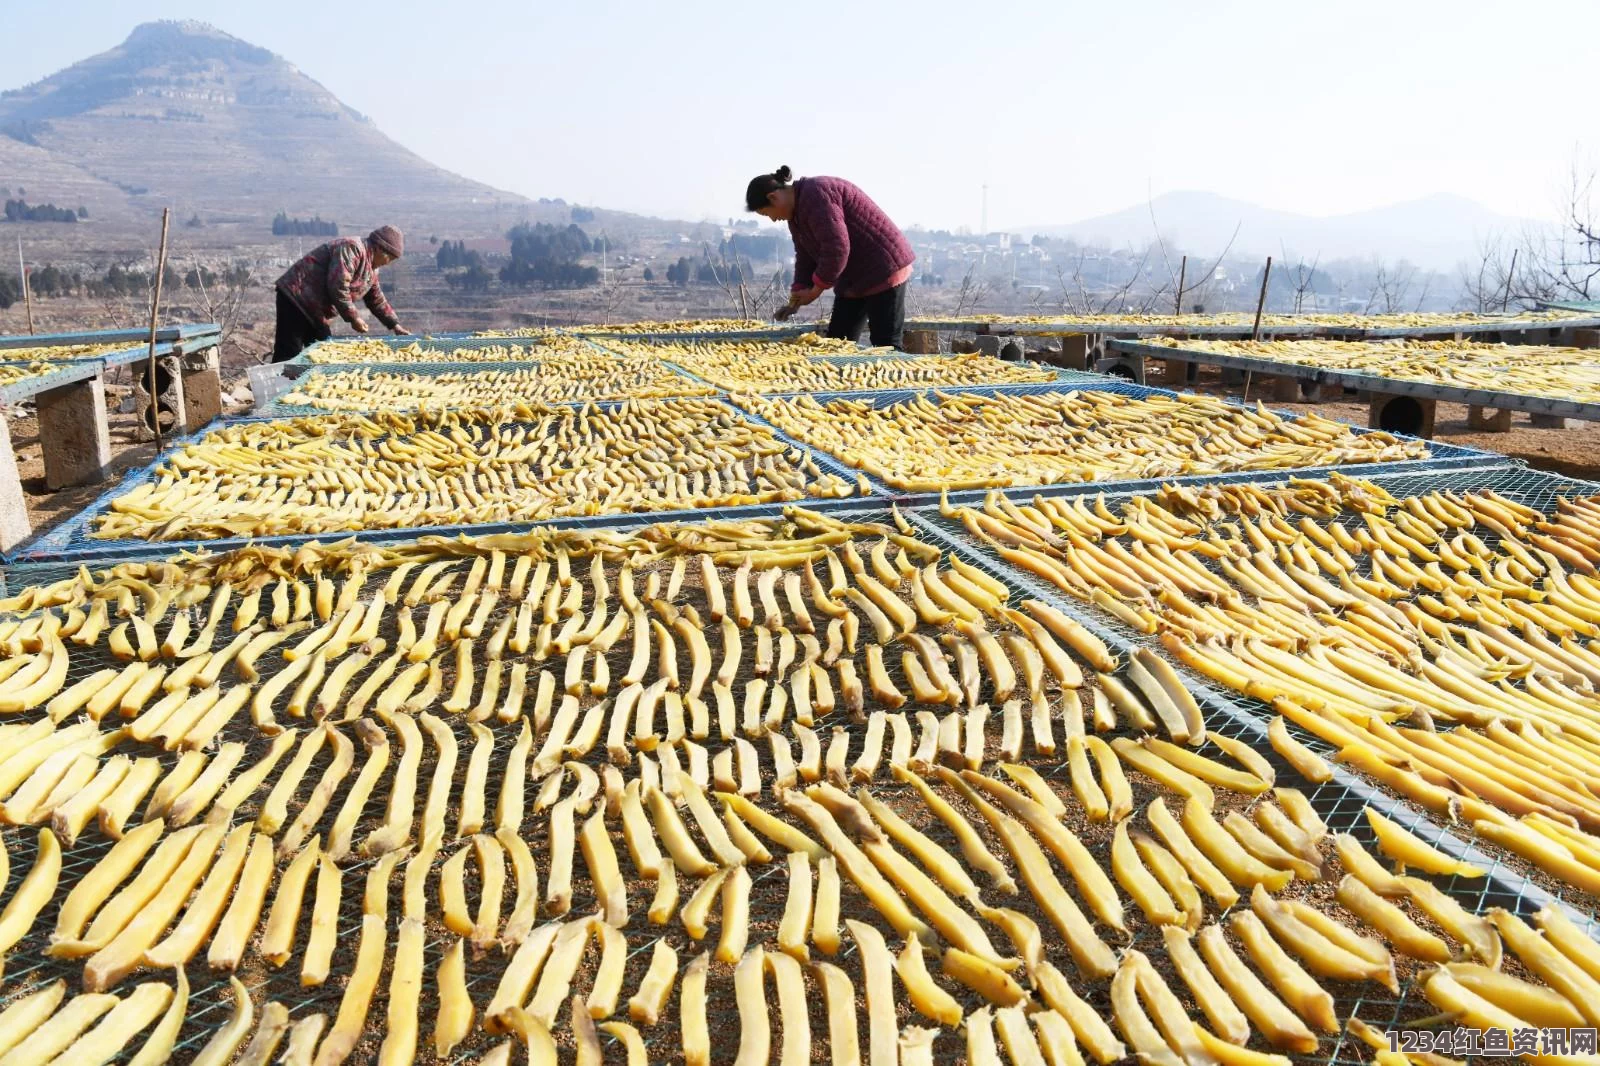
155, 311
1183, 271
27, 292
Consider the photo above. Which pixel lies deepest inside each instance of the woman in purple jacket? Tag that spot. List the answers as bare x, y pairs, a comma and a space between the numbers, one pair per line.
844, 242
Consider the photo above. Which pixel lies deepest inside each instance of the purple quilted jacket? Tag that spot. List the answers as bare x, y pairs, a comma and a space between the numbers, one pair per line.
843, 241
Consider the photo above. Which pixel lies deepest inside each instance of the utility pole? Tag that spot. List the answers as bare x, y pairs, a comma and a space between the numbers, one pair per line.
983, 230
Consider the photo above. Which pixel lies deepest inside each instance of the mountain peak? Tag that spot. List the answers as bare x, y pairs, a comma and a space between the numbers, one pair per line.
167, 29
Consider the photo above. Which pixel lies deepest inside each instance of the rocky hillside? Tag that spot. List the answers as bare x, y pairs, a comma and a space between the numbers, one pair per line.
182, 114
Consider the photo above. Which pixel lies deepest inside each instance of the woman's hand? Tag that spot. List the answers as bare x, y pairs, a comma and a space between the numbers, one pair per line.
802, 297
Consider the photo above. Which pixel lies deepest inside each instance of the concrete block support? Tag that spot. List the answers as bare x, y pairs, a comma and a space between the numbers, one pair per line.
1401, 414
1488, 419
75, 434
14, 525
963, 345
202, 388
1586, 338
1282, 388
989, 344
168, 392
1075, 351
920, 342
1173, 372
1555, 422
1129, 367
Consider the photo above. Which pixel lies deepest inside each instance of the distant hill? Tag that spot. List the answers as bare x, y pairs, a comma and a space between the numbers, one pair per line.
1436, 231
41, 177
181, 113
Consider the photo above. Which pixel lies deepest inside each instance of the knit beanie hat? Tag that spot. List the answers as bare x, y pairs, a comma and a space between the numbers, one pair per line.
388, 239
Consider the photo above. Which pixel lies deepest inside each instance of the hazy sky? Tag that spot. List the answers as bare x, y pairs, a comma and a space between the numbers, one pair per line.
1066, 109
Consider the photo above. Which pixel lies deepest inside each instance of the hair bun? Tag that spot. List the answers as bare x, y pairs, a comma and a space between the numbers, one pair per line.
783, 174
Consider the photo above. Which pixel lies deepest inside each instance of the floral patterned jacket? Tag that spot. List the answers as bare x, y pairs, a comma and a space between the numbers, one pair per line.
329, 280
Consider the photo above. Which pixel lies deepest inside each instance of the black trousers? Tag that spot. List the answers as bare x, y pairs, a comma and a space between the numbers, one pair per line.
295, 332
885, 312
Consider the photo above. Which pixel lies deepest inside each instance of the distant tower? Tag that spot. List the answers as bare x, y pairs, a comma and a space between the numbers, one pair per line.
983, 230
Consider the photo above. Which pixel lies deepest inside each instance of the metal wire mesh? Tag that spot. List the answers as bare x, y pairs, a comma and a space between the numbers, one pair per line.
1340, 803
685, 386
1534, 489
1441, 456
71, 540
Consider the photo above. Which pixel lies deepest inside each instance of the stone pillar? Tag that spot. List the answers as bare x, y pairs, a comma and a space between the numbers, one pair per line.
74, 434
1075, 351
1011, 351
1323, 392
1488, 419
202, 388
989, 344
1556, 422
168, 391
920, 342
963, 345
1401, 414
1586, 338
14, 525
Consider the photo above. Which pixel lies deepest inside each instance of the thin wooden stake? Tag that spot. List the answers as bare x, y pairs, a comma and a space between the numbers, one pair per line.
1255, 334
27, 293
155, 311
1505, 301
1183, 270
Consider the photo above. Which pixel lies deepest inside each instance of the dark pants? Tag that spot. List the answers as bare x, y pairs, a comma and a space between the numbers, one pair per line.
886, 312
295, 331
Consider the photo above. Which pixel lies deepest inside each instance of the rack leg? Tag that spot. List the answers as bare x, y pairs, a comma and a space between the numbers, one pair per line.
1586, 338
75, 434
989, 344
1555, 422
1488, 419
14, 525
202, 387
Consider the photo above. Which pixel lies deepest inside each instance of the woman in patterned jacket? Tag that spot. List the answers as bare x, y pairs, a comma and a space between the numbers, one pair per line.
328, 281
844, 242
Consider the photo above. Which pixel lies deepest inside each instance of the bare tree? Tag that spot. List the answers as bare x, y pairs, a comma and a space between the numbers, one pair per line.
1389, 287
1543, 264
612, 292
1304, 278
737, 283
1201, 289
974, 291
223, 301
